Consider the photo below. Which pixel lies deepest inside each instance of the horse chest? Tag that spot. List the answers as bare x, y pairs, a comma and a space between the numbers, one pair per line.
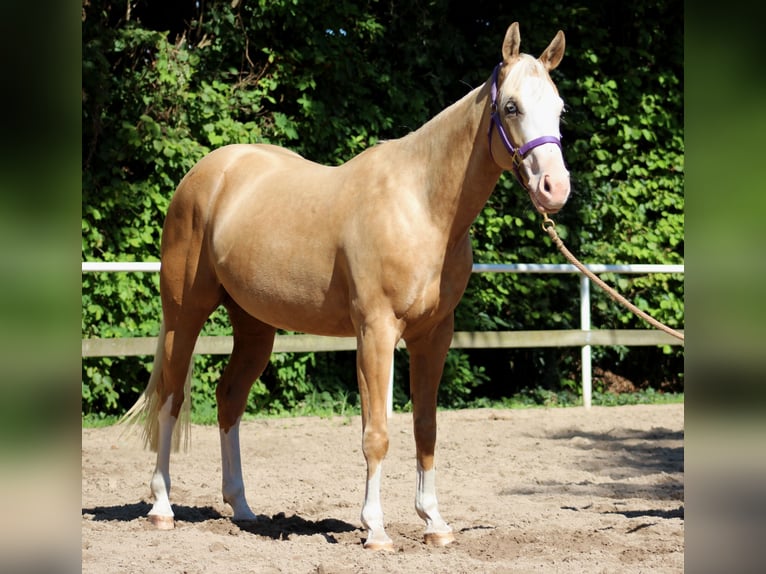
432, 294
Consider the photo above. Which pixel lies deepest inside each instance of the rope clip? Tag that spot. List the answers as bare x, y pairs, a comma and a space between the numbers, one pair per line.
548, 223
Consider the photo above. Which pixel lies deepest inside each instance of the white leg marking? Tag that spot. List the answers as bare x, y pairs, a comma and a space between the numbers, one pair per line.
372, 515
161, 513
231, 467
437, 532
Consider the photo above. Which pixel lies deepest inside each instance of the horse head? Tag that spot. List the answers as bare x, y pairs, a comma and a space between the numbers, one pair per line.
526, 110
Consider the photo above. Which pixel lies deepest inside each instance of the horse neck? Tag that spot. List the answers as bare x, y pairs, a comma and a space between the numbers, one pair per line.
461, 174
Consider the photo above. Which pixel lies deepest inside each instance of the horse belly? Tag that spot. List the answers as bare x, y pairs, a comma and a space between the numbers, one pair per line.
290, 295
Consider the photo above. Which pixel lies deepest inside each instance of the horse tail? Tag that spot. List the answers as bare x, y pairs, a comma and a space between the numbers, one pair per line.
146, 409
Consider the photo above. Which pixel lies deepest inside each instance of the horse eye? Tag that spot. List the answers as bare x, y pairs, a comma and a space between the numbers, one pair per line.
510, 108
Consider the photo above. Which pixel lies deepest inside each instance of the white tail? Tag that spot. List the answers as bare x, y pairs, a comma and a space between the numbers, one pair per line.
147, 407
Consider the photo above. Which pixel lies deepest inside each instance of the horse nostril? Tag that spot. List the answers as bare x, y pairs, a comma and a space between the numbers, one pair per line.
547, 184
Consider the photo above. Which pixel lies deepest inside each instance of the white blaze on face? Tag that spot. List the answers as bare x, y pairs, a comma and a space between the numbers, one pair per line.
540, 107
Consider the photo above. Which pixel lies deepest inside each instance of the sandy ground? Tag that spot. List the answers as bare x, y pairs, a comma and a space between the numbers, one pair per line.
556, 490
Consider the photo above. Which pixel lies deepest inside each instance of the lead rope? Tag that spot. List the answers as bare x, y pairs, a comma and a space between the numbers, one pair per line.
550, 228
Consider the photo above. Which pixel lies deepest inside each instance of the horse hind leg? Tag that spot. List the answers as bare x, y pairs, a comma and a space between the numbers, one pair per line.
190, 291
163, 401
161, 513
253, 342
159, 407
169, 400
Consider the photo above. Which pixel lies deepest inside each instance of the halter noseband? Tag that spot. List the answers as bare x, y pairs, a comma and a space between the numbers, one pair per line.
517, 154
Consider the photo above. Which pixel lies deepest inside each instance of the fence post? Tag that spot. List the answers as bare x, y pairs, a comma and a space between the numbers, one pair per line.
587, 389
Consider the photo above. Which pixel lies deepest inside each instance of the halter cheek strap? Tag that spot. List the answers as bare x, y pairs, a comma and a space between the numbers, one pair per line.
517, 154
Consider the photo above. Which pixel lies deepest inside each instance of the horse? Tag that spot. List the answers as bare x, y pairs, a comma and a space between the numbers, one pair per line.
377, 248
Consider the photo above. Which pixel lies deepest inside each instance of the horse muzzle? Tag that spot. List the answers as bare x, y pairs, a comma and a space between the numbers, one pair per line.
551, 192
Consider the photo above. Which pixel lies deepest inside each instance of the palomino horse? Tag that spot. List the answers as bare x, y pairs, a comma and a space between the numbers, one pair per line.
377, 248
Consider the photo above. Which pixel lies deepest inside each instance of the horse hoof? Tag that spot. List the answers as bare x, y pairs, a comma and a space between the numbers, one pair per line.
439, 538
248, 517
162, 522
375, 546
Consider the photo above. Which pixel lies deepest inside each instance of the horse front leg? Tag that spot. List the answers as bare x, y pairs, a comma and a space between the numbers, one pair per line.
427, 356
375, 348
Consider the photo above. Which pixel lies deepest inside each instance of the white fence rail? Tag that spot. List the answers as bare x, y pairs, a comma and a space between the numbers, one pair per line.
584, 337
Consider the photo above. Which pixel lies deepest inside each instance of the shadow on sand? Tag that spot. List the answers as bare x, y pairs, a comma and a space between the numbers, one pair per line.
278, 527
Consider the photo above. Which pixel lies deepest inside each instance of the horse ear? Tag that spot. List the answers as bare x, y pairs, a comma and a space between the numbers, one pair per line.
554, 52
511, 43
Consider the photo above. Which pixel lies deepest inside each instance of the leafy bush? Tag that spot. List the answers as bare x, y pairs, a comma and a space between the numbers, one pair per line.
329, 79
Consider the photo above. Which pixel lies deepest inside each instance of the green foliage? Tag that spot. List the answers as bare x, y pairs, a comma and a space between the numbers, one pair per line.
329, 79
459, 379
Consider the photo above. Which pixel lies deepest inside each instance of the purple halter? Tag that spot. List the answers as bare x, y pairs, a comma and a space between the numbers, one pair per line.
517, 154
